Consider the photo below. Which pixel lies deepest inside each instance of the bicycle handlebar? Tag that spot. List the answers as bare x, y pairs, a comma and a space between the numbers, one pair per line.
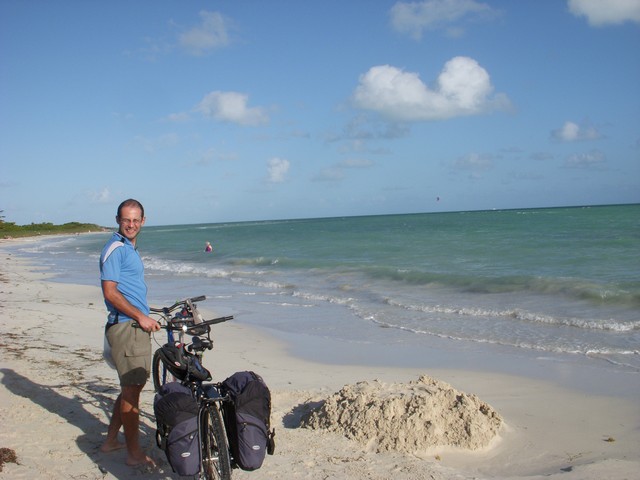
188, 326
191, 322
179, 303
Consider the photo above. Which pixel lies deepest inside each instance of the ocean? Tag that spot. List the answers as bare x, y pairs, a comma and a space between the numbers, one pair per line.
556, 283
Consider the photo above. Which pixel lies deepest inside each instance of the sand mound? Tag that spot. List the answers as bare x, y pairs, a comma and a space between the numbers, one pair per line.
407, 417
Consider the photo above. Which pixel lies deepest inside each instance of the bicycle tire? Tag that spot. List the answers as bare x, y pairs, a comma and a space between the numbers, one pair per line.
159, 372
216, 462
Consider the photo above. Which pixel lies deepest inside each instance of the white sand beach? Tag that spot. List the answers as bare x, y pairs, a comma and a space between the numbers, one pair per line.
56, 393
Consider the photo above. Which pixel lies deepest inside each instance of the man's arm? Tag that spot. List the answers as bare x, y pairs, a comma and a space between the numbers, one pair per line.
115, 298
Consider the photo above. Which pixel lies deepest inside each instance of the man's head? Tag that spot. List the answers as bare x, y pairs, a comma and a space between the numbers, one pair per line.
130, 218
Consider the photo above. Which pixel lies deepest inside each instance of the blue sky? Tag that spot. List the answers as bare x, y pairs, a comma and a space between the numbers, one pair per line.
216, 111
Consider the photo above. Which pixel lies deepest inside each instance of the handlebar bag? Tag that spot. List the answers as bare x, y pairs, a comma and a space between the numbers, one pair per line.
247, 419
176, 414
181, 363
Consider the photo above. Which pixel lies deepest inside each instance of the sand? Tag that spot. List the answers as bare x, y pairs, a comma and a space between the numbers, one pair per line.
56, 393
411, 417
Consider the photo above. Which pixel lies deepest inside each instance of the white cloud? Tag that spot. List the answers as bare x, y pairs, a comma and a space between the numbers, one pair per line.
210, 34
592, 159
568, 132
103, 196
231, 107
572, 132
415, 17
462, 88
277, 170
611, 12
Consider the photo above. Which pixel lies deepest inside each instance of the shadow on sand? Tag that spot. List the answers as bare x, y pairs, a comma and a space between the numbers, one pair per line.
73, 411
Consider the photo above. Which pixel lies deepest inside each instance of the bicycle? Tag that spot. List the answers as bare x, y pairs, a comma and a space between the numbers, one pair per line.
183, 361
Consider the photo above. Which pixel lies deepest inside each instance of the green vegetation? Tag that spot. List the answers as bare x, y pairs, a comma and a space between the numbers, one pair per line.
11, 230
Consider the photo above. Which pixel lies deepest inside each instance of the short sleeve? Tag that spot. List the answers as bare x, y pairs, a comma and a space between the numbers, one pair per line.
110, 266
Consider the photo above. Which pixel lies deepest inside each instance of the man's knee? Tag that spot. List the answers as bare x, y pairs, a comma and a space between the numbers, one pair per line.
131, 394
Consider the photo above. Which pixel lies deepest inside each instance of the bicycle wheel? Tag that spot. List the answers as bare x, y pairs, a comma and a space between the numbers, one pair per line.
159, 372
215, 450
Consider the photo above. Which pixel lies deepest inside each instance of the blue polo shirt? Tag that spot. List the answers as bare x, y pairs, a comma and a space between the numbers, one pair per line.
120, 262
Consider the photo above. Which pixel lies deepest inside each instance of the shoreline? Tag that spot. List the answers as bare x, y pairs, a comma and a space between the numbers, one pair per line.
53, 376
574, 373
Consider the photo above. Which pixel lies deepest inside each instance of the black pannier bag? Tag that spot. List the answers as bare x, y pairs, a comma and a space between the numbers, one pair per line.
247, 419
176, 414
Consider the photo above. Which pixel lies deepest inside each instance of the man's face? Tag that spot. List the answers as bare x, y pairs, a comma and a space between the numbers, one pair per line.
130, 222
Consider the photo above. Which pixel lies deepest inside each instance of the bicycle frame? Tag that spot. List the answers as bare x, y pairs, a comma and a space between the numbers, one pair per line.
215, 458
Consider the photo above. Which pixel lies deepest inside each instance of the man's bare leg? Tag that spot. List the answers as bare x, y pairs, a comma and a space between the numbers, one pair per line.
112, 443
130, 418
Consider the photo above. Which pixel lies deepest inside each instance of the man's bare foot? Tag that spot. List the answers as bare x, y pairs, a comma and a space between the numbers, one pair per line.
142, 461
111, 446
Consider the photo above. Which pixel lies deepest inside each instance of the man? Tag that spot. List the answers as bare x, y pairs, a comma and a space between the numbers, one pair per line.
125, 296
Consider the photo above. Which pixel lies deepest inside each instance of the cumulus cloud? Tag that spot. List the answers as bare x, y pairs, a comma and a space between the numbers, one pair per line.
588, 160
612, 12
572, 132
209, 35
277, 169
231, 107
413, 18
462, 88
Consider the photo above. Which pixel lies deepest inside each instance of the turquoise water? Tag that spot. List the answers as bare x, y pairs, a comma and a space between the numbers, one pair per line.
563, 281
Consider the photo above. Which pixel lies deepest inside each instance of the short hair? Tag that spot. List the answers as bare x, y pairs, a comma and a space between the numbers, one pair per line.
130, 203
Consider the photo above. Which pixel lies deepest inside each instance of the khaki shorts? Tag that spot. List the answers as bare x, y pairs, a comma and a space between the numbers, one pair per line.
131, 351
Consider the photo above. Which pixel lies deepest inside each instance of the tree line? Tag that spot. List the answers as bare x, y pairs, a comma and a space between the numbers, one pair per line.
11, 230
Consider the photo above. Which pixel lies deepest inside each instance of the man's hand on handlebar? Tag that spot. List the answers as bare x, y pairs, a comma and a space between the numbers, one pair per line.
148, 324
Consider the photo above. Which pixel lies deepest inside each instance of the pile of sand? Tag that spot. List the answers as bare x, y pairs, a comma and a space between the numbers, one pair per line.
407, 417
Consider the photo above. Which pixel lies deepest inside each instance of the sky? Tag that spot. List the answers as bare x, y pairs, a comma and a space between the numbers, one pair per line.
231, 110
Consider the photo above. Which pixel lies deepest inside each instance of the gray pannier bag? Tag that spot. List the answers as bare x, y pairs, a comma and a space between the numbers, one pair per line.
176, 414
247, 419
